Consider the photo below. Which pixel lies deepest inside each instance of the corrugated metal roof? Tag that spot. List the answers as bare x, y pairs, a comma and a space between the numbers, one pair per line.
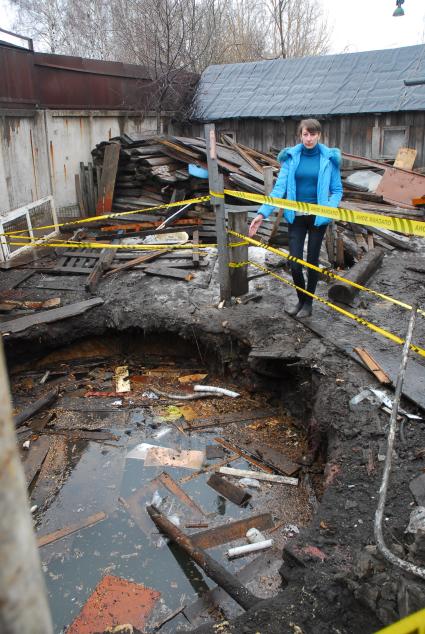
313, 86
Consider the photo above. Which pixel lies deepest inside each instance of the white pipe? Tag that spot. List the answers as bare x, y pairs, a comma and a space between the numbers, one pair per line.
268, 477
216, 390
238, 551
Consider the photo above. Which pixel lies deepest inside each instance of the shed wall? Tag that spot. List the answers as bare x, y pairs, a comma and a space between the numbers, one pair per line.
355, 134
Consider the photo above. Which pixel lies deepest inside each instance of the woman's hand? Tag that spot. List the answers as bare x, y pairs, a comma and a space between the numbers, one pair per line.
255, 225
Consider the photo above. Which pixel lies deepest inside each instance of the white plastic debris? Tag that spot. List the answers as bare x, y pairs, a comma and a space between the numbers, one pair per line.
254, 536
215, 390
119, 402
26, 444
238, 551
174, 519
291, 528
140, 451
162, 432
386, 400
150, 394
34, 508
156, 499
250, 482
417, 520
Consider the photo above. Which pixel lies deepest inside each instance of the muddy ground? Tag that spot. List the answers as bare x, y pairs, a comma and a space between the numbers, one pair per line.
333, 580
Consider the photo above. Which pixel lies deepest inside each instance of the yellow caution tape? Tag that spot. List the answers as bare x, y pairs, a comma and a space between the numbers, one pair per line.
217, 194
412, 624
323, 271
342, 311
120, 214
402, 225
102, 245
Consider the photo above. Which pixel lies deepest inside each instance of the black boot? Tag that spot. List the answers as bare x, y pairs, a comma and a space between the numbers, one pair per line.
306, 310
295, 310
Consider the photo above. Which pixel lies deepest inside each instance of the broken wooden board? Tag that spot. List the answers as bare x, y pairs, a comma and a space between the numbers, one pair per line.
121, 378
229, 532
164, 271
107, 180
218, 420
273, 458
214, 451
228, 490
167, 457
405, 158
167, 481
49, 316
35, 407
268, 477
102, 264
113, 602
35, 457
135, 261
243, 454
43, 540
373, 366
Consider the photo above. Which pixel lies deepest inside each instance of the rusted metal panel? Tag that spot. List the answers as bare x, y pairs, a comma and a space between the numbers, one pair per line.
29, 79
115, 601
16, 78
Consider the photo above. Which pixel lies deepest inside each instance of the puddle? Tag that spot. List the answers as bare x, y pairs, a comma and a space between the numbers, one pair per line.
95, 477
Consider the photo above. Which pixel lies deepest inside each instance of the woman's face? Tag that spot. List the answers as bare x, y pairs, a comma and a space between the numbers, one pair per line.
309, 139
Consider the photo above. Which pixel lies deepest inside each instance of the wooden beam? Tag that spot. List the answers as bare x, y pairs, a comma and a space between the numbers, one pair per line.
238, 275
102, 264
107, 181
43, 540
228, 532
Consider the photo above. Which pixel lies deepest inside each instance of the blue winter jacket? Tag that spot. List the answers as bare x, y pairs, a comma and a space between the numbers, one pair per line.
329, 186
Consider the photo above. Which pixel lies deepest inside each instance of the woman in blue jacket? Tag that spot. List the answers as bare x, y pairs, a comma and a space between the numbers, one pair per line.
310, 173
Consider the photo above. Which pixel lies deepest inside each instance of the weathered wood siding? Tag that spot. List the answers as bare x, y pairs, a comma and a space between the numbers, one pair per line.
356, 134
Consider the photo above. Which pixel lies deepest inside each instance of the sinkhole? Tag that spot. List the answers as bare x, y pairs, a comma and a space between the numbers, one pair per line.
122, 432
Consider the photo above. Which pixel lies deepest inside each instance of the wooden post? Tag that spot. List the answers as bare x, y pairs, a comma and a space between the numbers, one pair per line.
216, 185
238, 276
23, 602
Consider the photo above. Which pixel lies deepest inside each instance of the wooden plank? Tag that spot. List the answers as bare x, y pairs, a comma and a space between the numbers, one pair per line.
174, 488
35, 407
219, 420
49, 316
373, 366
274, 458
84, 189
228, 490
59, 286
405, 158
43, 540
164, 271
90, 188
79, 193
267, 477
229, 532
244, 455
20, 277
195, 252
35, 458
107, 181
102, 264
134, 262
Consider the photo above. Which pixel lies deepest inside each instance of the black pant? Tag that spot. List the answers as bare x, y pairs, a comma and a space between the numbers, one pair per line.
297, 231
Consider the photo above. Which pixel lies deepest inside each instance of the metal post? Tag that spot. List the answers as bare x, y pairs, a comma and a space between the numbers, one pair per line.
216, 185
239, 275
23, 602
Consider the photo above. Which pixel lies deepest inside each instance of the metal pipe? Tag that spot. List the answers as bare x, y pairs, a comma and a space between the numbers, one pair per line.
393, 559
23, 601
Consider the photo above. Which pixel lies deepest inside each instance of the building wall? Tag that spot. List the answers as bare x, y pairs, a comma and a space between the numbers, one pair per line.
41, 150
356, 134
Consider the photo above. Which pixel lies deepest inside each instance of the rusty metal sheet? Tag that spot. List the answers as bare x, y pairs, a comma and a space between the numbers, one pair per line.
229, 532
399, 187
16, 78
115, 601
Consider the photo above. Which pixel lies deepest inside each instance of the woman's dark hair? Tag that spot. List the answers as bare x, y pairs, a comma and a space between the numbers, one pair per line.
312, 125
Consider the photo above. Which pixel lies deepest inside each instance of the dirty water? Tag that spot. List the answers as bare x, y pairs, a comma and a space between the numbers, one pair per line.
97, 477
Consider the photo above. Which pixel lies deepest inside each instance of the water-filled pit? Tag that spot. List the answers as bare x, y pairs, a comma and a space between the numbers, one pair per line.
91, 429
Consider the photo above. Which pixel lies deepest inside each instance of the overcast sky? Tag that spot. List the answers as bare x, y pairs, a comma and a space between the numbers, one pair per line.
366, 25
358, 25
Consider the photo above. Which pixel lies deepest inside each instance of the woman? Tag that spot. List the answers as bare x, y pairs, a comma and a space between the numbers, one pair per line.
310, 173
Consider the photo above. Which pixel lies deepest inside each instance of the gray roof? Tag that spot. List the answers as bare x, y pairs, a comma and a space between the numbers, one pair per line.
311, 86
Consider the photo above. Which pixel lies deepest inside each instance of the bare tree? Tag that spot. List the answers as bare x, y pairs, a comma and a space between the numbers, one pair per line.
43, 21
298, 28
